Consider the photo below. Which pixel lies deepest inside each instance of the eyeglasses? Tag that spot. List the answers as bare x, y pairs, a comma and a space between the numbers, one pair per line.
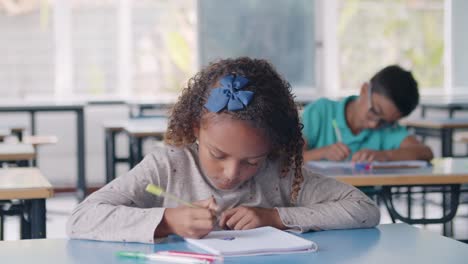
374, 115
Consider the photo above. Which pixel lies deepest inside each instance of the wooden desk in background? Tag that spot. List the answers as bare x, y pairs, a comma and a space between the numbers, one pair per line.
446, 173
137, 129
39, 106
449, 104
32, 188
12, 129
441, 128
21, 153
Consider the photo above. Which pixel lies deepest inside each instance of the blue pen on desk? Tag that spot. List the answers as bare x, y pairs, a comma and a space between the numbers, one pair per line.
363, 165
337, 131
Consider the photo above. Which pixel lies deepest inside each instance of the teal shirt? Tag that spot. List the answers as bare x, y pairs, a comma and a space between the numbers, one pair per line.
319, 132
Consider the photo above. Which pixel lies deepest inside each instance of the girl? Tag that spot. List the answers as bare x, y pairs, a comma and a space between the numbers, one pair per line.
234, 147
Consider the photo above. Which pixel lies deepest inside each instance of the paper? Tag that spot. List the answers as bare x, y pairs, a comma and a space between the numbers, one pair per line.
371, 165
258, 241
331, 164
400, 164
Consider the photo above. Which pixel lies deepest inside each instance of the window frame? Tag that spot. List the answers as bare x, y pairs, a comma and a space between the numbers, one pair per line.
330, 77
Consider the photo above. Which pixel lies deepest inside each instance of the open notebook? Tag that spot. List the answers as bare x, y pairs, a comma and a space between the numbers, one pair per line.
258, 241
372, 165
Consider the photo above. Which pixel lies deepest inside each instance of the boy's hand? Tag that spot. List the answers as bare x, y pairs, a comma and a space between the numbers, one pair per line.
188, 221
368, 155
336, 152
242, 217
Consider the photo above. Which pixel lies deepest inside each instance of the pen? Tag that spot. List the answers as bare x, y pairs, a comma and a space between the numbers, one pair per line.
163, 258
158, 191
202, 256
337, 131
363, 166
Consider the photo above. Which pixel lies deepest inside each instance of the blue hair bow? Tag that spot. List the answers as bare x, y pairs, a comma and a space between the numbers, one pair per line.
229, 94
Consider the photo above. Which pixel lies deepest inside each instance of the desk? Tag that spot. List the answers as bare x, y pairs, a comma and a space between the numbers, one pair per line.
446, 172
17, 152
446, 103
136, 129
393, 243
16, 130
28, 185
137, 107
139, 129
442, 128
32, 107
111, 130
443, 171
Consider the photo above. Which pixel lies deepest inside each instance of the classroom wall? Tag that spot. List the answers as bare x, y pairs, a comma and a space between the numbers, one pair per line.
460, 43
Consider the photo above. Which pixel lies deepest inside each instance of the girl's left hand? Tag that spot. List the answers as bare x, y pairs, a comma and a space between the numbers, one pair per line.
242, 218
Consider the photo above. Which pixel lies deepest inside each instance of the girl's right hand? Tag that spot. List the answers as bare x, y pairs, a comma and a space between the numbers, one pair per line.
188, 221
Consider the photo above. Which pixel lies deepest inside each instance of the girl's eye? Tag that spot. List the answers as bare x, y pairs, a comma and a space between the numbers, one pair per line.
216, 156
251, 163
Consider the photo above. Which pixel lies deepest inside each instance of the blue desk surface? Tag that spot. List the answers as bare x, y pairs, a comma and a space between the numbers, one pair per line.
393, 243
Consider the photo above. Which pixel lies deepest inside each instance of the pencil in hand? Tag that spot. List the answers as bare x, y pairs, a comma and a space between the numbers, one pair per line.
337, 131
158, 191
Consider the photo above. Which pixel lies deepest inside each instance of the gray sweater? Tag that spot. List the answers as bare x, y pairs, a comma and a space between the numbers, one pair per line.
123, 211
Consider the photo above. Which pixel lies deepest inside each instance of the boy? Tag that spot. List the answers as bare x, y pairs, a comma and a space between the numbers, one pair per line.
367, 124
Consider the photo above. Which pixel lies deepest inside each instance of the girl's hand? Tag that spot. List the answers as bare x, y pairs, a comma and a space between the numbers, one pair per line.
242, 217
188, 221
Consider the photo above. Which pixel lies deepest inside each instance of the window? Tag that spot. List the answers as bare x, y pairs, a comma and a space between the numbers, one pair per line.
86, 48
93, 47
151, 47
26, 50
163, 44
372, 34
148, 47
137, 48
279, 31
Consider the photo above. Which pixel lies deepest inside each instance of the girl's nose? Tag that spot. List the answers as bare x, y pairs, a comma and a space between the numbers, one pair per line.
231, 171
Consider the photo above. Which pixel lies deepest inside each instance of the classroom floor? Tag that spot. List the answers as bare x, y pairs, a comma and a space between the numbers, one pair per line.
59, 207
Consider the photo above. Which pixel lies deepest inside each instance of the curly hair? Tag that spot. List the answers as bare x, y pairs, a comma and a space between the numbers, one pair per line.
271, 109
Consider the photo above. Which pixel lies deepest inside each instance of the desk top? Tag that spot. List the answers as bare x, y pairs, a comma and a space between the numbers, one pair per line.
144, 127
443, 171
436, 123
392, 243
23, 183
445, 102
11, 152
40, 105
